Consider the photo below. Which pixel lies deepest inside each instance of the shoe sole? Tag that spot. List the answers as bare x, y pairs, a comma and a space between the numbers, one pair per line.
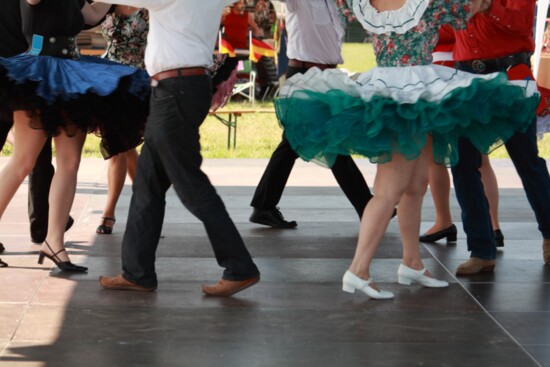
264, 223
126, 288
486, 269
229, 294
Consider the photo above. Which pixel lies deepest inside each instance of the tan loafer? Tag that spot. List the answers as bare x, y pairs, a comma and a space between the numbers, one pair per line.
226, 288
475, 265
546, 250
118, 283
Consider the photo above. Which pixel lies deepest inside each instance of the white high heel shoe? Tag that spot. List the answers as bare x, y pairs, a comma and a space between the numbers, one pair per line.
351, 282
406, 276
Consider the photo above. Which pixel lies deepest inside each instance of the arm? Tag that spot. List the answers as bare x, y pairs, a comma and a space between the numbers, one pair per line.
33, 2
479, 6
255, 29
512, 16
93, 13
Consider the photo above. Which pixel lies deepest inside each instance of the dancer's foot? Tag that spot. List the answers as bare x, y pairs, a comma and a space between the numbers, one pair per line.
271, 217
60, 258
106, 226
449, 232
475, 265
38, 240
351, 282
407, 276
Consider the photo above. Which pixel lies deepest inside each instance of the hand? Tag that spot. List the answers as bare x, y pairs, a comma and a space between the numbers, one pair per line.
479, 6
485, 5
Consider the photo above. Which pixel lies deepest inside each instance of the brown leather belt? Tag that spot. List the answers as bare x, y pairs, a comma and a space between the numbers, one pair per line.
174, 73
308, 65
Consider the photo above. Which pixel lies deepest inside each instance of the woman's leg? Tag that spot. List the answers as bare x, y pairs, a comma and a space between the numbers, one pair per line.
62, 191
490, 186
440, 187
409, 211
27, 145
116, 176
391, 181
131, 163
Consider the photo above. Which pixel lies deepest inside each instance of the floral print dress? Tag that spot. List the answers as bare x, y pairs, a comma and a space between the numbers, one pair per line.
127, 37
393, 107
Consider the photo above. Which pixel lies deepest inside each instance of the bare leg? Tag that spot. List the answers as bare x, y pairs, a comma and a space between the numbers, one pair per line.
28, 144
131, 163
391, 182
119, 165
63, 188
409, 211
490, 186
440, 187
115, 182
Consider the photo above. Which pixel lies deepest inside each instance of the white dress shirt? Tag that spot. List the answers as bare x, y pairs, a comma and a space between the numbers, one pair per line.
182, 33
315, 31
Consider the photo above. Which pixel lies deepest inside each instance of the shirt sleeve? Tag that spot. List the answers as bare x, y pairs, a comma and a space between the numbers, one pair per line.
513, 16
291, 4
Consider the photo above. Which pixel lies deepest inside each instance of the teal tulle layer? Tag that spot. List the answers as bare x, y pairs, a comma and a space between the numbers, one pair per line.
320, 126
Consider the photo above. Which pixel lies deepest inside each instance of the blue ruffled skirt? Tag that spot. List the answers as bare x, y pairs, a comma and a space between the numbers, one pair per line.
393, 109
90, 94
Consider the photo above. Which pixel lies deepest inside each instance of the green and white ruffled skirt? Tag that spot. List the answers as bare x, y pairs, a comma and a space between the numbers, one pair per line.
393, 109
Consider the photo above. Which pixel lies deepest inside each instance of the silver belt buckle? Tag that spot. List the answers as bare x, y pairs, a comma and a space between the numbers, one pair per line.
154, 83
478, 66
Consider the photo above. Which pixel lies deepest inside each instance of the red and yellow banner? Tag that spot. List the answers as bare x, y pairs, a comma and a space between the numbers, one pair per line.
226, 48
258, 49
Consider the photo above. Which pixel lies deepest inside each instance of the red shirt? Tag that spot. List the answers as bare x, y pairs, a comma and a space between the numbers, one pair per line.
507, 28
446, 41
236, 29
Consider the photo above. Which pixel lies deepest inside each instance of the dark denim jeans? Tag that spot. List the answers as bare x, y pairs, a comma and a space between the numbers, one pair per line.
532, 169
273, 181
171, 156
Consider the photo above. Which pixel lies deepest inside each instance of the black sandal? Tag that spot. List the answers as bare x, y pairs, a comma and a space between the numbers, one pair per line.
104, 228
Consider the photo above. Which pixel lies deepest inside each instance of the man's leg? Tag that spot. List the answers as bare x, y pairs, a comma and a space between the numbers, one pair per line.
352, 182
533, 172
270, 189
145, 218
475, 210
176, 134
40, 180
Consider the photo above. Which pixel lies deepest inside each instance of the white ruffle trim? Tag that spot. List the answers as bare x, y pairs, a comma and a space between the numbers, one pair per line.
402, 84
391, 21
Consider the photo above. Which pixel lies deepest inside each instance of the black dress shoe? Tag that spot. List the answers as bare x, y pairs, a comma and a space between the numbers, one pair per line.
3, 264
450, 233
70, 223
272, 218
39, 241
2, 248
499, 238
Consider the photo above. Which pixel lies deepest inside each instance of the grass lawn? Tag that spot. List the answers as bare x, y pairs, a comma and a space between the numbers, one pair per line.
259, 134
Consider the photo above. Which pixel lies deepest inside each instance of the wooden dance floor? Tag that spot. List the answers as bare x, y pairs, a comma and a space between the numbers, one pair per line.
297, 315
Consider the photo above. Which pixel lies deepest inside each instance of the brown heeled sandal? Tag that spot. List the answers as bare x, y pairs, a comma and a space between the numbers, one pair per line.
104, 228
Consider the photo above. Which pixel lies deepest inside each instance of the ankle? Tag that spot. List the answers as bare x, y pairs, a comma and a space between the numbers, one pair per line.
364, 275
415, 264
